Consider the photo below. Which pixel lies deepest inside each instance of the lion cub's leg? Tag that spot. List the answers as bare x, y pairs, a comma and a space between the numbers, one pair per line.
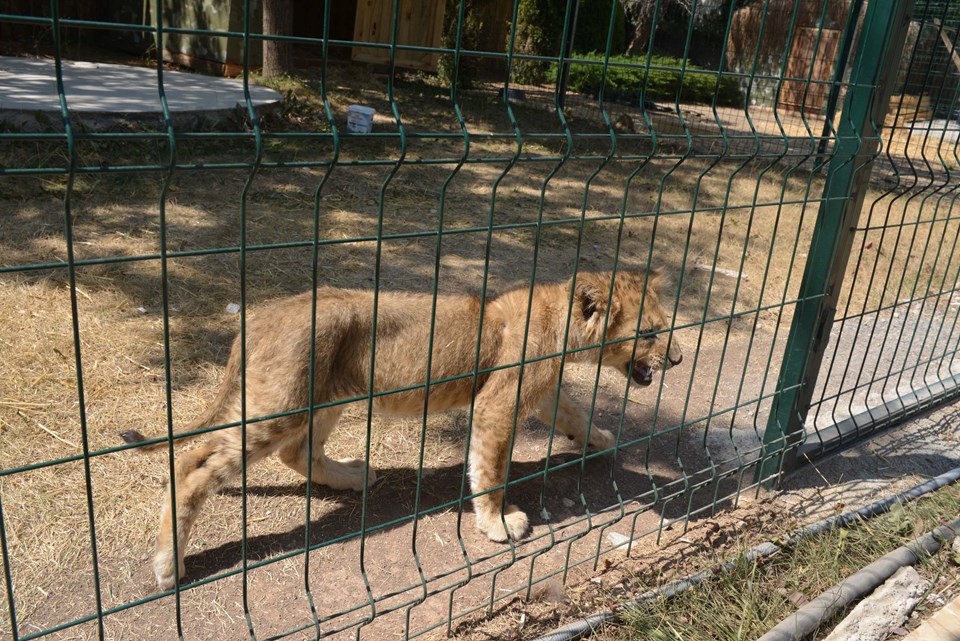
199, 472
489, 449
345, 474
190, 484
572, 421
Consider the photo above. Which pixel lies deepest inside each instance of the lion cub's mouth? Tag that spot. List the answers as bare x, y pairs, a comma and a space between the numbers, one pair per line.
641, 374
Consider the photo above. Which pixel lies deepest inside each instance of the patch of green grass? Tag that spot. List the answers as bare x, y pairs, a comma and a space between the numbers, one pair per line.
662, 81
755, 595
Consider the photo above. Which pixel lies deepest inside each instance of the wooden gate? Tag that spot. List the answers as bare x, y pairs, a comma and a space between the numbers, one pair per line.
798, 92
420, 24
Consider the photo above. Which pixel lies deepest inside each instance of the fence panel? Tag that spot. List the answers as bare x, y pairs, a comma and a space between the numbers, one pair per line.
855, 147
892, 346
134, 247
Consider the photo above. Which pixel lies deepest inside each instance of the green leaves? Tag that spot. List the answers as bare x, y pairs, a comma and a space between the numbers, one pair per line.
629, 80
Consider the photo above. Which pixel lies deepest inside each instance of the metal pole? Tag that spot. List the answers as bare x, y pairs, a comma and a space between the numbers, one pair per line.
567, 46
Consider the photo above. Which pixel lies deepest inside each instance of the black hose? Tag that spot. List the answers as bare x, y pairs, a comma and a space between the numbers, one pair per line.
583, 628
874, 509
811, 616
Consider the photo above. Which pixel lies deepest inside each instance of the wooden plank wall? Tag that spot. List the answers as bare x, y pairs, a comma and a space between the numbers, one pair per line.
421, 24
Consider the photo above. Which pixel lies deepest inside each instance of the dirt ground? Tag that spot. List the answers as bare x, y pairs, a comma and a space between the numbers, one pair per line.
730, 232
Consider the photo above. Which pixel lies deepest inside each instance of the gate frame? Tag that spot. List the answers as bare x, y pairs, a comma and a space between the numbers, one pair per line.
856, 145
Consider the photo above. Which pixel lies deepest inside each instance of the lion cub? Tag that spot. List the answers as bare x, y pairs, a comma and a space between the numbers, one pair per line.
278, 367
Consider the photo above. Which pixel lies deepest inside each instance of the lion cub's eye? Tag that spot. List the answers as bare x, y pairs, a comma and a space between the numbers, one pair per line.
647, 335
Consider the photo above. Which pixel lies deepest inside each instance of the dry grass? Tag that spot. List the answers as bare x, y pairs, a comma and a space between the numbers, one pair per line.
121, 322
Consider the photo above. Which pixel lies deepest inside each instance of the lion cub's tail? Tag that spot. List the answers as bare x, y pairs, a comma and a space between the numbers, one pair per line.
133, 436
213, 415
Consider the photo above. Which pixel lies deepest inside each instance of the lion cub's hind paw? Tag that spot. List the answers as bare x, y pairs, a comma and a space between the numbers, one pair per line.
516, 522
347, 474
601, 439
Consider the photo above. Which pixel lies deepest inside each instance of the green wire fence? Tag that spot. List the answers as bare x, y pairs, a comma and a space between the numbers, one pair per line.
790, 165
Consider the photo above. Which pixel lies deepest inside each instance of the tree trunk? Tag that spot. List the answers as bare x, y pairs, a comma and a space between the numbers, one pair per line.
641, 35
277, 21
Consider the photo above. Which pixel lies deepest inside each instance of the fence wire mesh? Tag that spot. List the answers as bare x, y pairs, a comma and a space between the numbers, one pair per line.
135, 246
893, 347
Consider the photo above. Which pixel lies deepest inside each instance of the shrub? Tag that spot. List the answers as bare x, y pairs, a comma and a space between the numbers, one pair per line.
624, 83
593, 21
469, 39
539, 30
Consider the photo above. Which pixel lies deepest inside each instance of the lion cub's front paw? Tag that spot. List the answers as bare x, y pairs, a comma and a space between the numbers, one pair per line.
163, 570
493, 526
602, 439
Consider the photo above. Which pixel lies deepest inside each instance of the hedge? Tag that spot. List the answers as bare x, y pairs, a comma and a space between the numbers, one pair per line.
624, 83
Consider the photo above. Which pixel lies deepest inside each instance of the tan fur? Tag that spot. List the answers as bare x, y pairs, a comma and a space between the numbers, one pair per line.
277, 381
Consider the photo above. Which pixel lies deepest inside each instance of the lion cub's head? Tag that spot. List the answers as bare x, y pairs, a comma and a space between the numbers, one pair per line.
638, 355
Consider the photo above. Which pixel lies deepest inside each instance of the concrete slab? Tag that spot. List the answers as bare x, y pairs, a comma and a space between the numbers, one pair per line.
99, 94
883, 610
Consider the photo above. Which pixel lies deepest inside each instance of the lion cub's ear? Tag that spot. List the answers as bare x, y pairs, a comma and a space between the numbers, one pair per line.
655, 279
591, 298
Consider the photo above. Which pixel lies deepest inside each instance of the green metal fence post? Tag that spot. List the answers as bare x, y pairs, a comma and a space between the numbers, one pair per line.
846, 44
848, 175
